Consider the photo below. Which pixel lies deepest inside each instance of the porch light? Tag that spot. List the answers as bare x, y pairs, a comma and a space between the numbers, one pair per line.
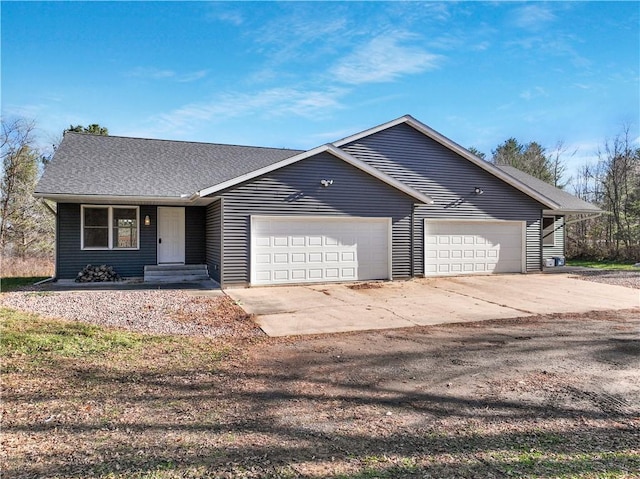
478, 190
326, 183
147, 221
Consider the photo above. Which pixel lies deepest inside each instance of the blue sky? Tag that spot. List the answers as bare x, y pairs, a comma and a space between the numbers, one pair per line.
299, 75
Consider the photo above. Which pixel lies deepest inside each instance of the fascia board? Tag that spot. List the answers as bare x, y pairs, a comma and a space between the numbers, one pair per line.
453, 146
328, 148
485, 165
64, 197
262, 171
352, 160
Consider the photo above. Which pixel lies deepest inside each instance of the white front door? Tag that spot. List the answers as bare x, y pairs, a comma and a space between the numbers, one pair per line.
170, 235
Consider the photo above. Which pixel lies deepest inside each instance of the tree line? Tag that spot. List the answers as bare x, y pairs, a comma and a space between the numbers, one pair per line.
27, 224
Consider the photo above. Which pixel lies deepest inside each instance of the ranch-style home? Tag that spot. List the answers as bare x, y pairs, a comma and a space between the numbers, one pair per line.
396, 201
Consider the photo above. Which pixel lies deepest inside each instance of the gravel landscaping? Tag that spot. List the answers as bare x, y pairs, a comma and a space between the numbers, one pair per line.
628, 279
144, 311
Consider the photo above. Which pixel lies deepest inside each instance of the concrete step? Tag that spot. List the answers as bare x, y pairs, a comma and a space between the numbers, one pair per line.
175, 273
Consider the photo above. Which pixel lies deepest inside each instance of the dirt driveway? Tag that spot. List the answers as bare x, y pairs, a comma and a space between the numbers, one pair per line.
327, 308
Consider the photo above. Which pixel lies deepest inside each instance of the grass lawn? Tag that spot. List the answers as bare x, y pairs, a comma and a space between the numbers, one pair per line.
11, 284
610, 265
86, 401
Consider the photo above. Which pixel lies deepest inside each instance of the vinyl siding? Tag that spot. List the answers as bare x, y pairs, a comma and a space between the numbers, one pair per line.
213, 237
194, 241
127, 263
70, 259
296, 190
558, 233
450, 180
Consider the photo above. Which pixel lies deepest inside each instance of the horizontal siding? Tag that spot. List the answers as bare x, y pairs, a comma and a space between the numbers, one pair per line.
213, 239
295, 191
127, 263
194, 224
450, 180
558, 248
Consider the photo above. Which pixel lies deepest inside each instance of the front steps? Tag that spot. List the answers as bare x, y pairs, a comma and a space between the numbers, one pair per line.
175, 273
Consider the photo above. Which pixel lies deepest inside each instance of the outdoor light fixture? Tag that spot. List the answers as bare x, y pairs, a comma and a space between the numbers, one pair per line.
326, 183
478, 190
147, 221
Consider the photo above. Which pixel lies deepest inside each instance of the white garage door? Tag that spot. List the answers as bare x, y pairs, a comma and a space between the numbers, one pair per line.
471, 247
313, 249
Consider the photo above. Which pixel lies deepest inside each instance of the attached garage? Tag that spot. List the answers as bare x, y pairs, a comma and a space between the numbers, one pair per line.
474, 247
319, 249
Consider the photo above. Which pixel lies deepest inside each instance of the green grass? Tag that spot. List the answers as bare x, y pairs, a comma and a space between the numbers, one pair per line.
11, 284
611, 265
27, 334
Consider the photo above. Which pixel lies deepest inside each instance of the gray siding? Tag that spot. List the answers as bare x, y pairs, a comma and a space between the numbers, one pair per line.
214, 240
70, 259
558, 233
296, 190
194, 230
128, 263
450, 180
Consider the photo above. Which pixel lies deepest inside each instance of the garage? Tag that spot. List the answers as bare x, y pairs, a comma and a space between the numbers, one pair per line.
473, 247
289, 250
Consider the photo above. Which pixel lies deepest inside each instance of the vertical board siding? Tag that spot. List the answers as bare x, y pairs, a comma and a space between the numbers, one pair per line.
296, 191
450, 180
213, 237
558, 233
127, 263
194, 231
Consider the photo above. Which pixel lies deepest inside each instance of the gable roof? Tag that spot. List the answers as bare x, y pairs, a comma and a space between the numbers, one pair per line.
568, 203
108, 166
456, 148
340, 154
101, 168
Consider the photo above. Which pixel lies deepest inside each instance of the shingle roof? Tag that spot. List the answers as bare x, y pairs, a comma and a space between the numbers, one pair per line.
87, 164
567, 202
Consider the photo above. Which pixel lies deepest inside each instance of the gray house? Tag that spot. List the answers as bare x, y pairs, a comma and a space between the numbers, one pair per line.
396, 201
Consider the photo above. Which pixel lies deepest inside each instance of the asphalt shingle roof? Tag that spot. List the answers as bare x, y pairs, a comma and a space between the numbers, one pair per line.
87, 164
566, 201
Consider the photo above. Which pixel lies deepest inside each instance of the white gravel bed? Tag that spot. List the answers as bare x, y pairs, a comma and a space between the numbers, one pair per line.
155, 312
628, 279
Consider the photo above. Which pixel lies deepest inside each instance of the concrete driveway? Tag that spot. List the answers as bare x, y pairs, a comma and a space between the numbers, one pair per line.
330, 308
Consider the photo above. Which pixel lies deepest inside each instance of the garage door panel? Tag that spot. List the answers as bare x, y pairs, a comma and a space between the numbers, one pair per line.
467, 247
297, 250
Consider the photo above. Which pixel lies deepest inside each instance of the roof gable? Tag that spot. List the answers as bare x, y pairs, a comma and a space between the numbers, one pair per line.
340, 154
456, 148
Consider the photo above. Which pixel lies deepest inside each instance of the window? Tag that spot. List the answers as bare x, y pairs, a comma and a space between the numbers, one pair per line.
109, 227
548, 231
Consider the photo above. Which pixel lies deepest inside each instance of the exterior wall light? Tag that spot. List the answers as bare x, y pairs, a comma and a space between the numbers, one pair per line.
326, 183
478, 190
147, 221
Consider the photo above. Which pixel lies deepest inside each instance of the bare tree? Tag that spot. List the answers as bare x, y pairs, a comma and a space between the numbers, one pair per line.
25, 225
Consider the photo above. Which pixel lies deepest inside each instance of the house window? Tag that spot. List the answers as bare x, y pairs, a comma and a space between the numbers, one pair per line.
548, 231
109, 227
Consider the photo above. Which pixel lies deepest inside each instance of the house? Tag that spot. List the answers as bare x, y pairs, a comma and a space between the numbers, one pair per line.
396, 201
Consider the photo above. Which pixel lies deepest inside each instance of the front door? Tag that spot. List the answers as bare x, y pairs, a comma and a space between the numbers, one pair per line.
170, 235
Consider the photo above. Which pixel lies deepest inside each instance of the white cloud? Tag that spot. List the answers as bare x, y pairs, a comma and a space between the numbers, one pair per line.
267, 103
150, 73
384, 59
533, 16
532, 93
